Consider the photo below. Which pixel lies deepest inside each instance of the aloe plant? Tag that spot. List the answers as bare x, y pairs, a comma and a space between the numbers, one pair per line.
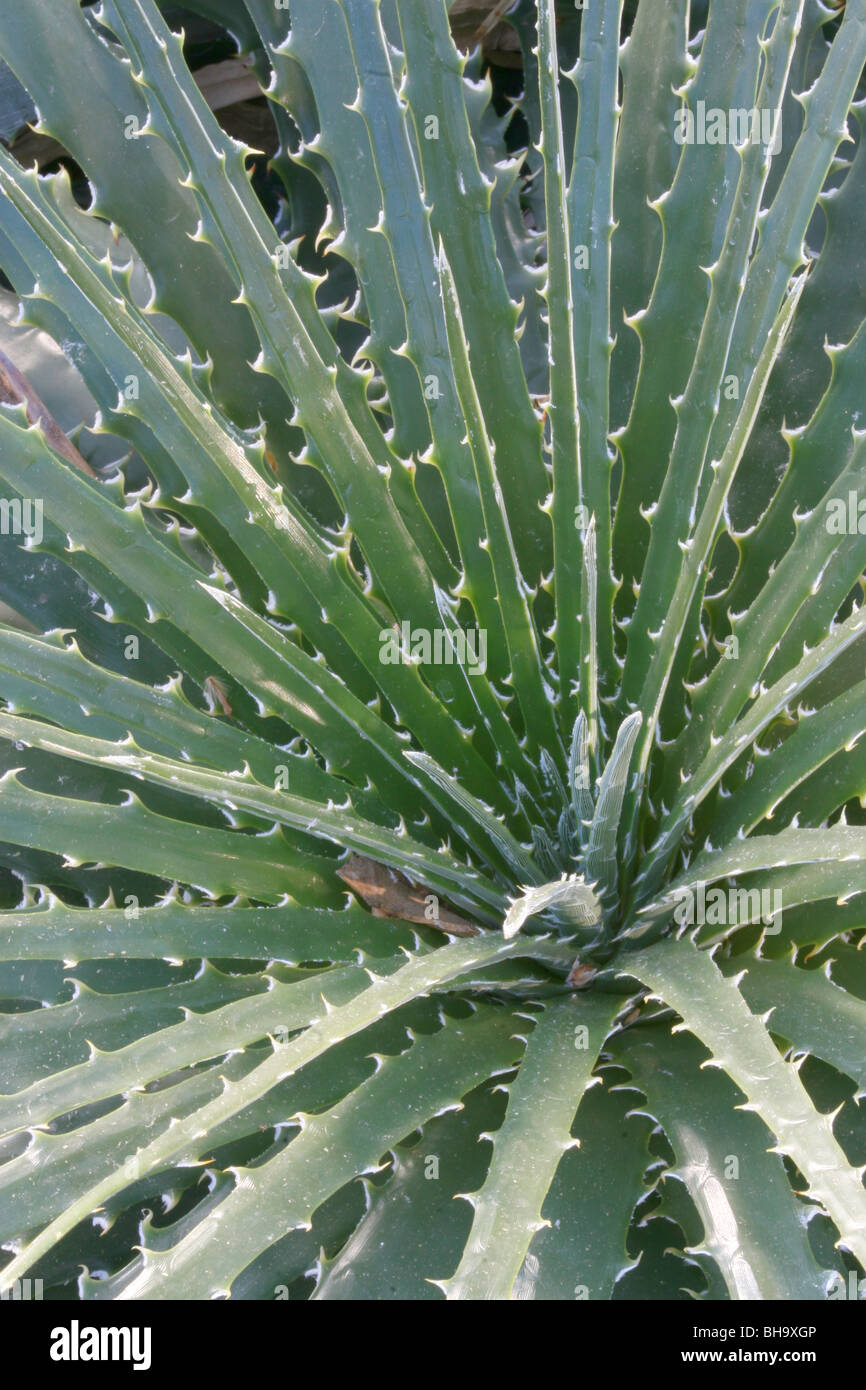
478, 525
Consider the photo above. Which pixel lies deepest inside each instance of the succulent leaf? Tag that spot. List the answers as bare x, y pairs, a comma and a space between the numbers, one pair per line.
434, 515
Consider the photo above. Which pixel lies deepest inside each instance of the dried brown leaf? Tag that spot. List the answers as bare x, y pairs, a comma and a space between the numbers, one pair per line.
15, 389
388, 894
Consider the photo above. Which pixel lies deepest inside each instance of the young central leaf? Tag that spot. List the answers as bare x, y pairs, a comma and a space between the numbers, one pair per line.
576, 903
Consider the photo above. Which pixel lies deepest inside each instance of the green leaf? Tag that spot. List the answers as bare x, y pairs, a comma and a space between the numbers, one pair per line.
312, 63
528, 1147
754, 1227
698, 547
43, 1041
196, 1039
713, 365
527, 673
713, 1009
570, 897
725, 750
296, 347
414, 1230
818, 736
654, 66
272, 667
405, 225
349, 1138
302, 572
568, 485
591, 226
291, 933
136, 186
808, 1009
831, 864
239, 790
579, 777
451, 174
779, 250
580, 1252
808, 382
694, 214
339, 1021
51, 678
514, 855
601, 863
218, 861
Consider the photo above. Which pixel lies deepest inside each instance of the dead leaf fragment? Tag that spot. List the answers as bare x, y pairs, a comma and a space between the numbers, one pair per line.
388, 894
580, 976
217, 694
15, 389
